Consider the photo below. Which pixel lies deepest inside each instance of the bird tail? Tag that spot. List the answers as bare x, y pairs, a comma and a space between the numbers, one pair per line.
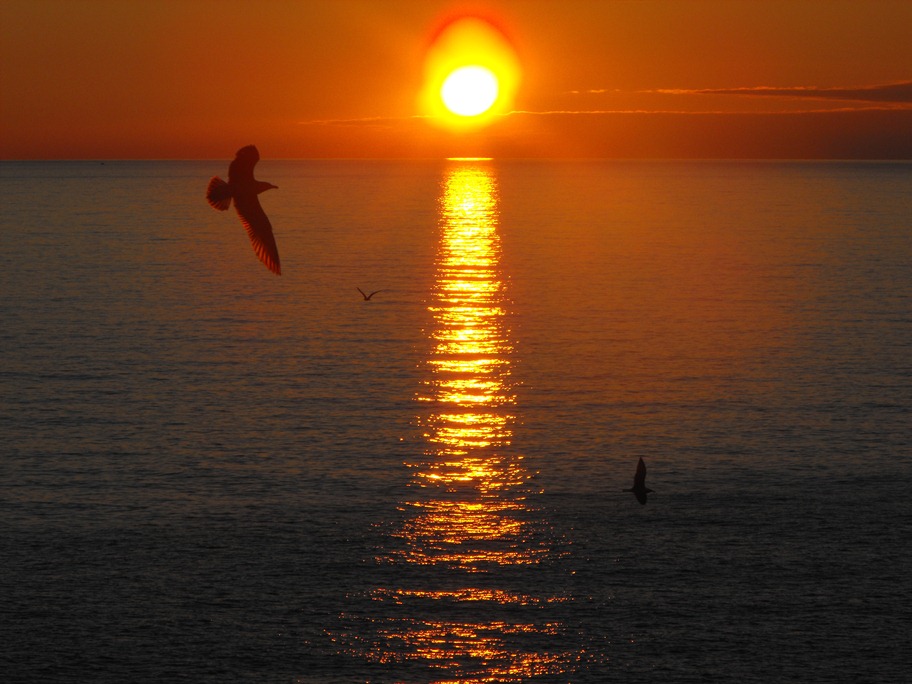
218, 194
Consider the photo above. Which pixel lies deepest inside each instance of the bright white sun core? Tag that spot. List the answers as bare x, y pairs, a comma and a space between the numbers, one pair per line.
469, 90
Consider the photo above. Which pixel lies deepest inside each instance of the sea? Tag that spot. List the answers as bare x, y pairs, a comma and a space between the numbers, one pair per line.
209, 473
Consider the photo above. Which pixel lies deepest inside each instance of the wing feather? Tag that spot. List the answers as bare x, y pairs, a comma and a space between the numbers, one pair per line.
218, 194
259, 229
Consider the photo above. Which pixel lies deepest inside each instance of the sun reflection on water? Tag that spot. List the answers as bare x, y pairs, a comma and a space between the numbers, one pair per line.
476, 513
470, 535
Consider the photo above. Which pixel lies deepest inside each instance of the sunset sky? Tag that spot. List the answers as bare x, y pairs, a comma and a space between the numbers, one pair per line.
105, 79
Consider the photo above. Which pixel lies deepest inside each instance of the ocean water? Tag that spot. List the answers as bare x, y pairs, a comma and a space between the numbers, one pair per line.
212, 474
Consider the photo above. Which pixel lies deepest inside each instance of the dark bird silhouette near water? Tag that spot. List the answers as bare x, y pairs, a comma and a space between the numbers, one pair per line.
367, 296
243, 189
639, 489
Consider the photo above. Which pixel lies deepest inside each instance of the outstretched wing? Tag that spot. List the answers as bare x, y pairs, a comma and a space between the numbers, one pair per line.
241, 169
259, 229
639, 480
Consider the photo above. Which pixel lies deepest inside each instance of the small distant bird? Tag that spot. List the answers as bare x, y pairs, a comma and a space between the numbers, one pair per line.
639, 489
243, 189
367, 296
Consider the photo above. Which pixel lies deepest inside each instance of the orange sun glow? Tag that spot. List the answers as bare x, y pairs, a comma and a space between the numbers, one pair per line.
471, 75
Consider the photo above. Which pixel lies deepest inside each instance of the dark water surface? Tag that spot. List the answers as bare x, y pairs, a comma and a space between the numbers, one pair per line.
212, 474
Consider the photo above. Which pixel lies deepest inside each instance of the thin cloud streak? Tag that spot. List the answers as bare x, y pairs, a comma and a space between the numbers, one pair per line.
897, 93
595, 91
365, 121
702, 112
889, 96
393, 121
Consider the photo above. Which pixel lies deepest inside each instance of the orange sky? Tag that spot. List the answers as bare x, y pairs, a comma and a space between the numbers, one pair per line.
341, 78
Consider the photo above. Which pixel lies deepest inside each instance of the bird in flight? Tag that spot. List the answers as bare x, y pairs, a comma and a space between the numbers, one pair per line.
243, 189
367, 296
639, 489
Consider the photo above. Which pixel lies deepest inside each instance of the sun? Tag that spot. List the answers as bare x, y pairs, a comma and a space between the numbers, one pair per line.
471, 75
469, 90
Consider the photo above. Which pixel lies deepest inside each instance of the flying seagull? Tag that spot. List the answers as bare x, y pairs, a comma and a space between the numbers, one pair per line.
243, 189
367, 296
639, 489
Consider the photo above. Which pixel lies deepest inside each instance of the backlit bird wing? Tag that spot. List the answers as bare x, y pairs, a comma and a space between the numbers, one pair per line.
259, 229
241, 169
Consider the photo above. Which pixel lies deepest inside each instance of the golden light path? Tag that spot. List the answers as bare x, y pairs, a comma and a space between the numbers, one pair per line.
469, 391
470, 537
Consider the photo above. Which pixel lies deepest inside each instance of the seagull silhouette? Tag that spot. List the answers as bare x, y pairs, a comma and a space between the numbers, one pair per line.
367, 296
639, 489
243, 189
